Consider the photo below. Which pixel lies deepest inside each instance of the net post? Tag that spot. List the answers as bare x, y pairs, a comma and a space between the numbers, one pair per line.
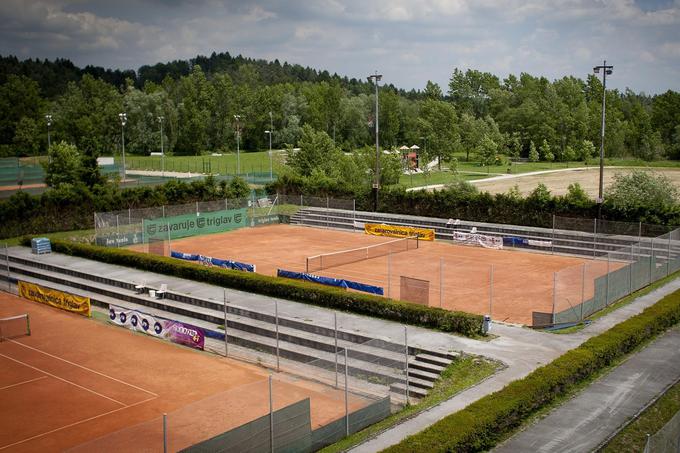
307, 265
28, 324
165, 433
406, 362
271, 416
346, 396
335, 329
226, 336
490, 289
276, 313
441, 281
554, 296
583, 287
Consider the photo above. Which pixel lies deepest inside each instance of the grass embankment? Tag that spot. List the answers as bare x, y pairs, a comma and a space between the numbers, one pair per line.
458, 376
634, 436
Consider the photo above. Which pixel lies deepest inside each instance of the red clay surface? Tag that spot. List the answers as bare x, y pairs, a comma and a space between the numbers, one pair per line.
76, 381
24, 186
522, 281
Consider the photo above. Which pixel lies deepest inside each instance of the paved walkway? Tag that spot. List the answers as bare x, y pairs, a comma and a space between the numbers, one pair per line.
585, 422
522, 358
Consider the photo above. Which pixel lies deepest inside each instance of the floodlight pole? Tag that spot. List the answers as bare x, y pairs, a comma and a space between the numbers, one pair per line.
376, 183
606, 70
160, 120
271, 130
48, 119
238, 144
123, 121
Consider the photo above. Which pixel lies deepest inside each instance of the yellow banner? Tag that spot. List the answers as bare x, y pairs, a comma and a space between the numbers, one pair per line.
58, 299
398, 231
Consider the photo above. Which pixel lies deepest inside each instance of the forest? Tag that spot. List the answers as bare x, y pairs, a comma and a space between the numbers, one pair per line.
197, 101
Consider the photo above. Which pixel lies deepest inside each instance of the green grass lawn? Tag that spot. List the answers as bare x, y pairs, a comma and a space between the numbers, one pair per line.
634, 436
458, 376
251, 162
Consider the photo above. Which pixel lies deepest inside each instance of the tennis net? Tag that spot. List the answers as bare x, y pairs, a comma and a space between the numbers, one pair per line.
334, 259
14, 327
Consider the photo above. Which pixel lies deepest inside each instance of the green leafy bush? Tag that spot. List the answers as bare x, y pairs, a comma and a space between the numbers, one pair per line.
328, 297
485, 422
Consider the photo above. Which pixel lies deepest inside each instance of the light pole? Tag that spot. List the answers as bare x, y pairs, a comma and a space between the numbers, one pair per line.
271, 130
160, 120
376, 183
48, 119
606, 70
238, 144
123, 122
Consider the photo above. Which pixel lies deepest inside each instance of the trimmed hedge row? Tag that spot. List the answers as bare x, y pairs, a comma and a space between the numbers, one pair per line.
434, 318
485, 422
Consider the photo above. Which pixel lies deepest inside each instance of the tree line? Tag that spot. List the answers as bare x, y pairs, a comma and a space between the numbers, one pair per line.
480, 115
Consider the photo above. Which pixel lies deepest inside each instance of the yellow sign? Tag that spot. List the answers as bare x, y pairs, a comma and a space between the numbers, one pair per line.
58, 299
398, 231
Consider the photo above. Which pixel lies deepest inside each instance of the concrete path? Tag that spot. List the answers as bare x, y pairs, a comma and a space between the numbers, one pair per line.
523, 351
585, 422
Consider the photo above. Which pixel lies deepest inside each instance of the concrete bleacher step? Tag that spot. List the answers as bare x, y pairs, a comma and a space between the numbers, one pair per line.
433, 360
399, 388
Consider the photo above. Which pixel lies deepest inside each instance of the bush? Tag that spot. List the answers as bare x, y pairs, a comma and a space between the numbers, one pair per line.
379, 307
485, 422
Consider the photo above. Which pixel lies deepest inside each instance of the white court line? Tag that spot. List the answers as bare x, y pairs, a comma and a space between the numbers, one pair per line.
83, 367
76, 423
62, 379
22, 383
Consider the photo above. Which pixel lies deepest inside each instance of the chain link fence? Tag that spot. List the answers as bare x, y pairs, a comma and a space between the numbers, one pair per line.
667, 439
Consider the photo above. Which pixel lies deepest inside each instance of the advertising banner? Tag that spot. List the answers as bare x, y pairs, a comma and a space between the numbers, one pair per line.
175, 331
194, 224
491, 242
54, 298
399, 231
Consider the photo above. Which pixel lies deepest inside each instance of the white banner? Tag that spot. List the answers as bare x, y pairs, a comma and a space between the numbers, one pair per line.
491, 242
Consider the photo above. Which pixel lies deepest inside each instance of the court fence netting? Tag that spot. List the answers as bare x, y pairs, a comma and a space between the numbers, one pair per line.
667, 439
15, 327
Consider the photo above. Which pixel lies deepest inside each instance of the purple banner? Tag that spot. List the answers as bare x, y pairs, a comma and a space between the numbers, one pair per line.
175, 331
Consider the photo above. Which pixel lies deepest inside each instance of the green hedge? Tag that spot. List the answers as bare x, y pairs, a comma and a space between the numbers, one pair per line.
310, 293
485, 422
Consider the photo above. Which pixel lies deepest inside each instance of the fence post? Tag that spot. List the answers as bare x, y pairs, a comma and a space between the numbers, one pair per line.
335, 327
651, 260
196, 207
630, 269
583, 288
226, 337
552, 243
301, 205
276, 311
129, 216
606, 296
668, 255
163, 207
165, 433
271, 415
595, 238
9, 283
226, 205
441, 282
346, 396
354, 210
169, 242
406, 361
117, 233
490, 289
554, 296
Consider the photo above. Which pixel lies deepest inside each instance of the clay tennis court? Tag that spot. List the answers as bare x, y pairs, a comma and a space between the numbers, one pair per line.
458, 277
75, 379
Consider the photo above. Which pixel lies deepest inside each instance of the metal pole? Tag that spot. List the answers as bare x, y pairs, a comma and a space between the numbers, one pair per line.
354, 210
169, 242
595, 238
490, 289
605, 69
668, 255
327, 212
165, 433
606, 297
552, 243
651, 259
9, 283
441, 282
583, 288
117, 232
276, 311
271, 129
389, 275
226, 336
271, 415
406, 361
630, 271
554, 296
122, 129
335, 328
346, 396
376, 183
238, 144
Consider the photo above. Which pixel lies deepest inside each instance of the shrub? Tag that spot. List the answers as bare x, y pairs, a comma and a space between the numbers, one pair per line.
379, 307
485, 422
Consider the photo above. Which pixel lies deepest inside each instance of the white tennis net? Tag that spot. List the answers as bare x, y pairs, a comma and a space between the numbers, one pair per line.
334, 259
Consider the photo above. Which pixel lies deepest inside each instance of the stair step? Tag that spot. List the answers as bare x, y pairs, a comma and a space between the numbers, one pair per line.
400, 389
420, 383
414, 364
433, 359
423, 374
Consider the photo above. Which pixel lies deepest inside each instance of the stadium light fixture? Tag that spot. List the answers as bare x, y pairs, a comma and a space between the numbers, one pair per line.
606, 70
238, 144
375, 78
160, 121
123, 122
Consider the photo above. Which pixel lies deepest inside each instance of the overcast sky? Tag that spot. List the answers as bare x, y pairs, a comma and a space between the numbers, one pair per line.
408, 41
